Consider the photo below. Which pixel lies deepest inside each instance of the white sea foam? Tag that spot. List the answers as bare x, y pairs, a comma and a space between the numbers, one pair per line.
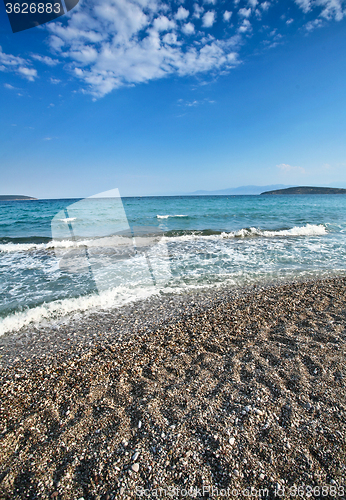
167, 216
68, 219
307, 230
55, 311
65, 244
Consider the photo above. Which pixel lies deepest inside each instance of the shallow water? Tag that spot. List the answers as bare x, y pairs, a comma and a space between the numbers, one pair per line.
58, 257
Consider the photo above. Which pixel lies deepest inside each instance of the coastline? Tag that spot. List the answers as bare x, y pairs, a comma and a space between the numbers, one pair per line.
235, 388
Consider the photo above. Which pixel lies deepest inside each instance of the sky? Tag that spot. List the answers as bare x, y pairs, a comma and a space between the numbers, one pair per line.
157, 97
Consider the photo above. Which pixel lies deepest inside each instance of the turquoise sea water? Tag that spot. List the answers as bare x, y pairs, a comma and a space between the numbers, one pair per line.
63, 257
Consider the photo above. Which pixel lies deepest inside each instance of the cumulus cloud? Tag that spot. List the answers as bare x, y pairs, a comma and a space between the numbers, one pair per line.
45, 59
182, 14
331, 9
208, 19
28, 73
162, 23
245, 12
17, 65
288, 168
245, 26
265, 6
112, 43
198, 10
188, 29
311, 25
107, 44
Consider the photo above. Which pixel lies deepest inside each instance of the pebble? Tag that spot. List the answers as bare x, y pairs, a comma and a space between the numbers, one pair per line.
192, 399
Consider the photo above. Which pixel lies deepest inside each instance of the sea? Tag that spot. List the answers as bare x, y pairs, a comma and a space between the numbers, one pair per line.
66, 257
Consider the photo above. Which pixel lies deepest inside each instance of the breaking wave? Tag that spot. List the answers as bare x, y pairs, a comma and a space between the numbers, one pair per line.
252, 232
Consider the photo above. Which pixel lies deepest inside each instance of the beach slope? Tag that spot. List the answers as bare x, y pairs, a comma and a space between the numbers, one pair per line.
247, 392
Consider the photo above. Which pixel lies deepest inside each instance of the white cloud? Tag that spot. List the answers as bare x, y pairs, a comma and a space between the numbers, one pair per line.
18, 65
194, 103
28, 73
182, 14
289, 21
244, 12
208, 19
9, 86
188, 29
288, 168
45, 59
162, 23
213, 2
111, 43
305, 5
198, 10
245, 26
311, 25
55, 81
265, 6
331, 9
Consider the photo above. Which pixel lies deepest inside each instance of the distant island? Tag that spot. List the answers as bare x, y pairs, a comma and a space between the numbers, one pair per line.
14, 197
307, 190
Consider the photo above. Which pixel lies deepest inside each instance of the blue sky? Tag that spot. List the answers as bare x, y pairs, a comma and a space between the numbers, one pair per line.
155, 97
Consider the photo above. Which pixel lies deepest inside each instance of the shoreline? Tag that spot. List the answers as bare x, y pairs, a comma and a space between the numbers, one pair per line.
78, 332
236, 388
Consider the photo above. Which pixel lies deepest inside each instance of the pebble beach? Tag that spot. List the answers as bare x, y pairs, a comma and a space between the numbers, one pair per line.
205, 395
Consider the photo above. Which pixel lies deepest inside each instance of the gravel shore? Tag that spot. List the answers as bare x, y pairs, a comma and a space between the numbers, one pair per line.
199, 396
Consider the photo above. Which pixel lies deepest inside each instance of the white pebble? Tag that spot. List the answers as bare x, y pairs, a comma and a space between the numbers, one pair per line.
135, 456
236, 472
139, 424
135, 467
231, 441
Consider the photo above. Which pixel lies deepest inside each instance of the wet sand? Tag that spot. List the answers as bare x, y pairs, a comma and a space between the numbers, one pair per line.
228, 390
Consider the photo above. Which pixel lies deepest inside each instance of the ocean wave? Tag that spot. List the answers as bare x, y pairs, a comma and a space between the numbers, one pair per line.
68, 219
307, 230
178, 235
167, 216
107, 241
252, 232
58, 310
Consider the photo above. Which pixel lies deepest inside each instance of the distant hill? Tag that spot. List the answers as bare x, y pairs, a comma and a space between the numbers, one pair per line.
14, 197
242, 190
307, 190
